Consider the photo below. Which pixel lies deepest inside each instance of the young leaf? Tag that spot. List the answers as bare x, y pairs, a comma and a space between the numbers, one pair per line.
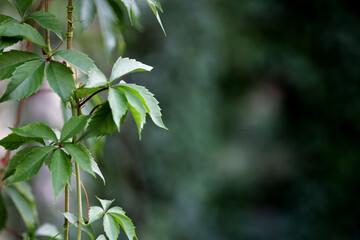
73, 126
60, 169
31, 164
38, 129
155, 5
14, 141
118, 105
96, 79
111, 227
96, 169
10, 28
137, 109
12, 59
14, 161
3, 213
21, 5
105, 203
95, 213
77, 59
60, 79
125, 223
25, 81
80, 155
125, 66
47, 21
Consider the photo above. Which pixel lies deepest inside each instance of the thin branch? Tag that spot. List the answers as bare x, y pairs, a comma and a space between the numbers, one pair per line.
93, 110
87, 99
87, 199
12, 232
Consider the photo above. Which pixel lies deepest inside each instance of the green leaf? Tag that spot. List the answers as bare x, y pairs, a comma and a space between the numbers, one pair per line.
31, 164
47, 230
73, 126
38, 129
96, 79
101, 237
118, 105
86, 228
84, 11
125, 223
147, 98
60, 169
96, 169
105, 203
60, 79
21, 5
129, 7
80, 155
10, 60
125, 66
7, 42
14, 141
155, 5
95, 213
77, 59
25, 81
111, 227
3, 213
47, 21
25, 189
10, 28
137, 109
14, 161
118, 210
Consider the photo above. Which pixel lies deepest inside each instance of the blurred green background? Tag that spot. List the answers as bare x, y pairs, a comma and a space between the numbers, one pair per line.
262, 99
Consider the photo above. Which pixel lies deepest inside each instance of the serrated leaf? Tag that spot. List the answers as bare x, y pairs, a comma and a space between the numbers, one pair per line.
137, 109
95, 213
47, 21
25, 81
31, 164
14, 141
74, 218
126, 224
14, 161
73, 126
147, 98
10, 60
118, 105
60, 169
96, 169
111, 227
10, 28
155, 5
3, 213
38, 129
47, 230
101, 237
60, 79
125, 66
96, 79
80, 155
105, 203
7, 42
77, 59
118, 210
84, 10
21, 5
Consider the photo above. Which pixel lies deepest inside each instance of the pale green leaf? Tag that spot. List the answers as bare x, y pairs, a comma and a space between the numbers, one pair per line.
118, 210
38, 129
47, 230
95, 213
31, 164
77, 59
10, 60
21, 5
111, 227
96, 79
14, 141
25, 189
155, 5
25, 81
60, 169
73, 126
10, 28
84, 11
60, 79
47, 21
86, 228
137, 109
96, 169
101, 237
105, 203
126, 224
125, 66
14, 161
3, 213
80, 155
118, 105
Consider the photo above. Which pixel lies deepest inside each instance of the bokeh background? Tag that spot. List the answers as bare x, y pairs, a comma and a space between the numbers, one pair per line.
262, 99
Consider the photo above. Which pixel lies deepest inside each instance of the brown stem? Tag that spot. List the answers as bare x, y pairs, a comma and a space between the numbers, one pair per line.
93, 110
87, 99
12, 232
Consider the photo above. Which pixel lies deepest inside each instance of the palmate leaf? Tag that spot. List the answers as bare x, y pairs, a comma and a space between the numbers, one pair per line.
155, 5
77, 59
60, 169
118, 105
111, 227
47, 21
38, 129
73, 126
25, 81
125, 66
81, 155
105, 203
12, 59
60, 79
21, 5
137, 109
14, 141
14, 161
125, 222
95, 213
96, 79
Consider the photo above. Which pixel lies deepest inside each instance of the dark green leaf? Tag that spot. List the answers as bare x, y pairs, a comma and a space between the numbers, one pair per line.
80, 155
111, 227
84, 10
73, 126
25, 81
60, 79
21, 5
14, 141
96, 79
7, 42
60, 169
47, 21
77, 59
125, 223
125, 66
3, 213
95, 213
31, 164
155, 5
118, 105
14, 161
38, 129
12, 59
137, 109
